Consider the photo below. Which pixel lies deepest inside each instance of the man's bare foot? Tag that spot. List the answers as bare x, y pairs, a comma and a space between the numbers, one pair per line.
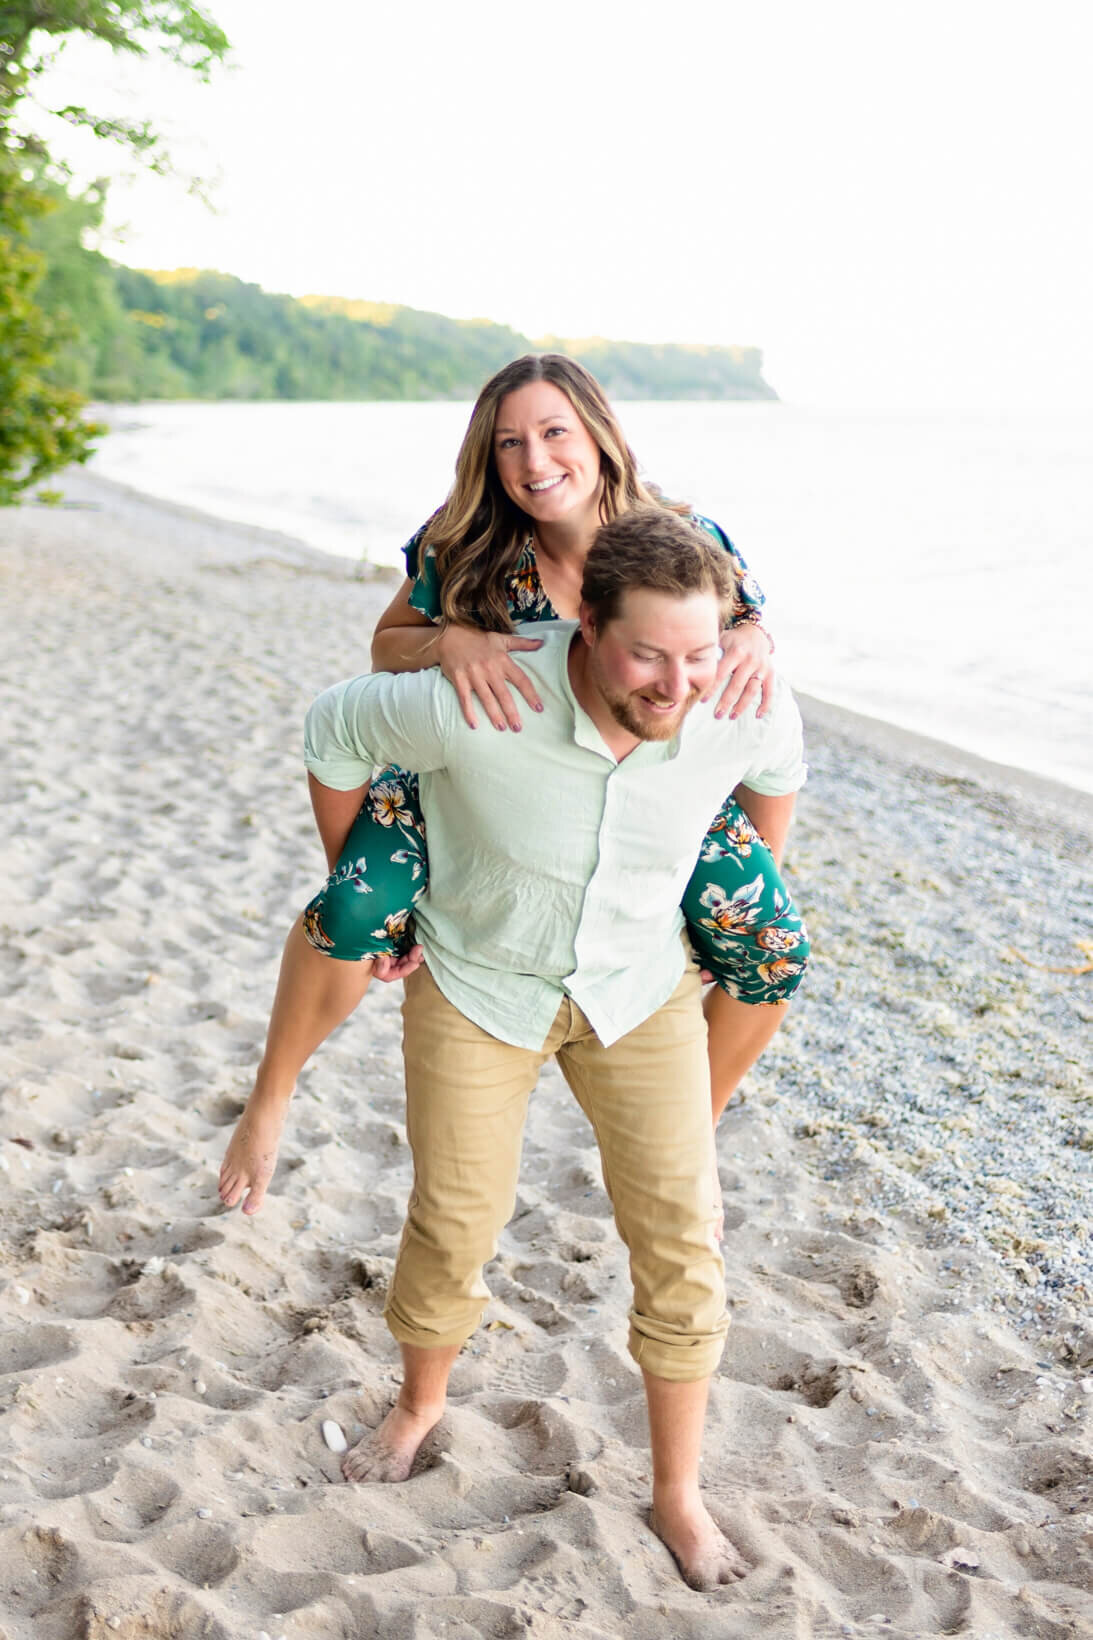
697, 1544
388, 1452
252, 1154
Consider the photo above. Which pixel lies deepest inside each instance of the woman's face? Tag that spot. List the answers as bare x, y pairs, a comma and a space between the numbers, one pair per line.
547, 460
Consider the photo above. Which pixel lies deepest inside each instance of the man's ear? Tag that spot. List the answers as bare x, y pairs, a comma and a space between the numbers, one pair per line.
588, 623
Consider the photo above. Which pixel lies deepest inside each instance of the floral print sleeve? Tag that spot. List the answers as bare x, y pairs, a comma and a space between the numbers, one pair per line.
421, 568
749, 598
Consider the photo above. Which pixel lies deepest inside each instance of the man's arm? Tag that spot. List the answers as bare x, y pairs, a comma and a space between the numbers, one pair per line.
379, 718
768, 789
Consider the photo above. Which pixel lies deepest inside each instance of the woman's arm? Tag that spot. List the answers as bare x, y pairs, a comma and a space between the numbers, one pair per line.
476, 663
769, 815
405, 640
335, 813
745, 674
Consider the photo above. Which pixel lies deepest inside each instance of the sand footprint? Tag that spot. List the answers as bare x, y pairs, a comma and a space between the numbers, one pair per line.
538, 1373
150, 1297
40, 1567
332, 1544
35, 1346
136, 1501
197, 1550
129, 1610
544, 1438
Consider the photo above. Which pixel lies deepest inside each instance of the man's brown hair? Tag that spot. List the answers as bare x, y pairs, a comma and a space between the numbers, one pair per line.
647, 548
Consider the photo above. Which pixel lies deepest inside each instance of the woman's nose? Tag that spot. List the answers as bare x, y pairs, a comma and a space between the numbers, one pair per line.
535, 455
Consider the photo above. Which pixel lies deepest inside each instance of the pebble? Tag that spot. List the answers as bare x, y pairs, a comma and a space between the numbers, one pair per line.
1019, 1167
200, 1386
966, 1558
204, 1514
21, 1294
334, 1436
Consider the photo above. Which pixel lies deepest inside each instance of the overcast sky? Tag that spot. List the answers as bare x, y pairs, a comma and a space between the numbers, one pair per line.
892, 200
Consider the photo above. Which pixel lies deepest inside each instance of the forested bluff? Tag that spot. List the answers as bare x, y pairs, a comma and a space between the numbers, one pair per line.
190, 334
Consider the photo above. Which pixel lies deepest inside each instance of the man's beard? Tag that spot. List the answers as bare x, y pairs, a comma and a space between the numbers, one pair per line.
630, 714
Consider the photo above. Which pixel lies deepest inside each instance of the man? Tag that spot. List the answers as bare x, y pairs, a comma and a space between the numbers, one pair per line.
551, 926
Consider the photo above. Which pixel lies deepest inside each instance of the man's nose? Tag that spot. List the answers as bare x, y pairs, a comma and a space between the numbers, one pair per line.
674, 681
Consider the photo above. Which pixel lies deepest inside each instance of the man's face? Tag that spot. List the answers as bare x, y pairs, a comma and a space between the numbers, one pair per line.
653, 661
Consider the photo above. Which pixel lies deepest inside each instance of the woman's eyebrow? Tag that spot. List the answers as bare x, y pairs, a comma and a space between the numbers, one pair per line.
542, 422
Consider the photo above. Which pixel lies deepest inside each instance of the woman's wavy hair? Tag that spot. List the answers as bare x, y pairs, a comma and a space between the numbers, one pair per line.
478, 534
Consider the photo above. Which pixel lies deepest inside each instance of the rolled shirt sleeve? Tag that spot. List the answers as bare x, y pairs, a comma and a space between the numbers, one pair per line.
777, 766
375, 719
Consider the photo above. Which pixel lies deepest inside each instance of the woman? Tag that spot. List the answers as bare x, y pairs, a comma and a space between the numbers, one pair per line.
542, 465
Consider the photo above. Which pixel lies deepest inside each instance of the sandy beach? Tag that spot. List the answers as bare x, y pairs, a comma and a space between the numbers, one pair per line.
899, 1435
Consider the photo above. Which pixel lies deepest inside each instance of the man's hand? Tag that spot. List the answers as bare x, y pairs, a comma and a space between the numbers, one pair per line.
388, 968
478, 664
745, 673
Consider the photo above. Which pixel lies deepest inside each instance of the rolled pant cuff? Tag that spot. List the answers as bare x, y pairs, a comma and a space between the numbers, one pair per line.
678, 1363
423, 1338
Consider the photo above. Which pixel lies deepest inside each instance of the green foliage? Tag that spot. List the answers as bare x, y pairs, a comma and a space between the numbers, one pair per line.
62, 325
33, 31
41, 429
192, 334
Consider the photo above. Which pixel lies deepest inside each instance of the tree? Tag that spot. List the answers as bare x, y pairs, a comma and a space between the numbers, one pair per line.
41, 428
33, 32
41, 425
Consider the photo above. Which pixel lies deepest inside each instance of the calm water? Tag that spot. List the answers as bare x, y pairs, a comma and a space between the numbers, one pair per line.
933, 571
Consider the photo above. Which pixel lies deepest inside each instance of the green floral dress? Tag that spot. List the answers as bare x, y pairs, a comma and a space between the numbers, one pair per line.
740, 917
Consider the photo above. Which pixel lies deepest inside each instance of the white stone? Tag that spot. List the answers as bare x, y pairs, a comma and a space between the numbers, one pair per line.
334, 1436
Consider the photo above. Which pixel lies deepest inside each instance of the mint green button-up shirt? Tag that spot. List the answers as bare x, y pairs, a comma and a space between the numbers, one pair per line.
554, 869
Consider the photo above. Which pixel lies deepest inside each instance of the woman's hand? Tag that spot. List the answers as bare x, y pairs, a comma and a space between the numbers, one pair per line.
478, 664
745, 673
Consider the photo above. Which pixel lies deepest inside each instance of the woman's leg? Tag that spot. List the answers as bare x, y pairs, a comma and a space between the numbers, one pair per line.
748, 934
738, 1033
314, 995
361, 916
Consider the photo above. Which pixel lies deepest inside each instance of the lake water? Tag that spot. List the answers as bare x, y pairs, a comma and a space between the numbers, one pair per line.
935, 571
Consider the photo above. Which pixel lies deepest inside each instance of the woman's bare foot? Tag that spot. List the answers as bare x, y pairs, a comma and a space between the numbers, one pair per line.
697, 1544
388, 1452
252, 1153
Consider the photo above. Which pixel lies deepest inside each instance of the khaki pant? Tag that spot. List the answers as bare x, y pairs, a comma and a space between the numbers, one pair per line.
648, 1100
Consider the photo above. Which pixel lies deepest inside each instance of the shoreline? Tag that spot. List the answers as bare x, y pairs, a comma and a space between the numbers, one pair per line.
876, 732
901, 1430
